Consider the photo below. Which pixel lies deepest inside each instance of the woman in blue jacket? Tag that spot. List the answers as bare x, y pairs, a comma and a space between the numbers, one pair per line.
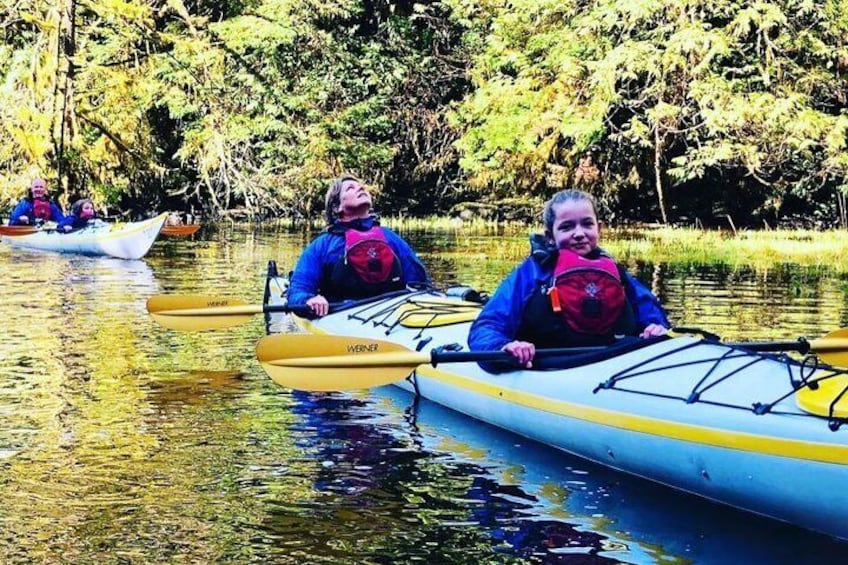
569, 292
354, 257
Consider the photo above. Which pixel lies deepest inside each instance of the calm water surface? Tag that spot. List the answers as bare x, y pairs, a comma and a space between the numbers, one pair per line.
123, 442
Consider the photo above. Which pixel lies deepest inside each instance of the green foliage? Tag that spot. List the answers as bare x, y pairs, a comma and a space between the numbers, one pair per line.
250, 106
720, 89
665, 108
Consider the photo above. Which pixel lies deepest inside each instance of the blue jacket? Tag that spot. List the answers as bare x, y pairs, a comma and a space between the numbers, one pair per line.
74, 221
25, 208
499, 321
328, 248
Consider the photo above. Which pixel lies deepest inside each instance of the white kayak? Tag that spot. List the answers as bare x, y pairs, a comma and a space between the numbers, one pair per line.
737, 426
125, 241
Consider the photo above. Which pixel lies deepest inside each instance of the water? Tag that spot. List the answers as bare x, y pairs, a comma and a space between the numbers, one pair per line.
121, 441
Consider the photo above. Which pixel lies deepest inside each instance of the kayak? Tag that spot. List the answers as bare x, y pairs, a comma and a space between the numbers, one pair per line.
758, 431
125, 241
180, 231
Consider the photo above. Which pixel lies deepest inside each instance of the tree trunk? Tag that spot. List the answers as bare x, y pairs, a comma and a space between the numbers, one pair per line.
65, 71
658, 177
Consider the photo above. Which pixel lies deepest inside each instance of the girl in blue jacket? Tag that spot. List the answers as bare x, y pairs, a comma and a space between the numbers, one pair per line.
82, 213
354, 257
569, 292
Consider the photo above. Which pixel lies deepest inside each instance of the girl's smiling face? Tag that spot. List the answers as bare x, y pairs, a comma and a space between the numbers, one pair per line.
575, 226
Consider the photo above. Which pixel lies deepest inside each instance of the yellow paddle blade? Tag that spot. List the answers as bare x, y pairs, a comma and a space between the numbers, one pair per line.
183, 312
323, 362
832, 348
819, 401
17, 230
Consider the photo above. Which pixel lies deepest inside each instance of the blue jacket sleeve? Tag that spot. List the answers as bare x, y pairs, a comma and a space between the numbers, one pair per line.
413, 268
24, 208
69, 220
645, 305
500, 319
306, 277
56, 212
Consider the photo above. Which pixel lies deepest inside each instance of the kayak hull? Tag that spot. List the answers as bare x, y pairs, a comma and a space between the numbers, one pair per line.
127, 241
678, 412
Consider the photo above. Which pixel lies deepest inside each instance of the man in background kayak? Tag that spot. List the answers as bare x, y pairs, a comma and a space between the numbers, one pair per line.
354, 257
569, 292
37, 208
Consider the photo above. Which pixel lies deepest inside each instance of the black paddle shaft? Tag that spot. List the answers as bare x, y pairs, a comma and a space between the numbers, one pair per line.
305, 311
801, 345
437, 356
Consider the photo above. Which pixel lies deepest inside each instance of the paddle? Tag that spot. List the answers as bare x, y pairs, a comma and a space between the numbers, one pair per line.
179, 231
17, 230
197, 313
323, 362
188, 312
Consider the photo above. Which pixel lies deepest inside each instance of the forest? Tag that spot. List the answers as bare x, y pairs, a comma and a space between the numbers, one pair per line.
679, 112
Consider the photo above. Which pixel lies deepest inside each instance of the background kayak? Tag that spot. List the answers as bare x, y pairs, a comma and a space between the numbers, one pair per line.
124, 241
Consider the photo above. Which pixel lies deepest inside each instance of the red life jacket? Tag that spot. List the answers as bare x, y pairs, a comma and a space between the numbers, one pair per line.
370, 256
41, 209
588, 293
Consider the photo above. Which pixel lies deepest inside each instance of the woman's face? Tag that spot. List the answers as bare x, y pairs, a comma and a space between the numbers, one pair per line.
575, 226
87, 210
354, 200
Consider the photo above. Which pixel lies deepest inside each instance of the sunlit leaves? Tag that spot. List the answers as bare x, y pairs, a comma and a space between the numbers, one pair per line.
686, 88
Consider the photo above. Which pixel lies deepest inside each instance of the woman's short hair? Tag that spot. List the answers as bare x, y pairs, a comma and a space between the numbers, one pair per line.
559, 198
333, 199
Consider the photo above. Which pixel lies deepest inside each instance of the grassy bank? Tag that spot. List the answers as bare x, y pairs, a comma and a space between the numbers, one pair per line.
759, 249
667, 244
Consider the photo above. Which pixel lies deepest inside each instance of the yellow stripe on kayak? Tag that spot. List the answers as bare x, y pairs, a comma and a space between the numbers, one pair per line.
767, 445
740, 441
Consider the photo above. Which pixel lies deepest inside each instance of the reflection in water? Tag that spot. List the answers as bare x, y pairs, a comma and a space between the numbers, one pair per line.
121, 439
378, 483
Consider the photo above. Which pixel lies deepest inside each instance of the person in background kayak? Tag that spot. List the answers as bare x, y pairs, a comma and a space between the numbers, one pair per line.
354, 257
36, 208
569, 292
82, 213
